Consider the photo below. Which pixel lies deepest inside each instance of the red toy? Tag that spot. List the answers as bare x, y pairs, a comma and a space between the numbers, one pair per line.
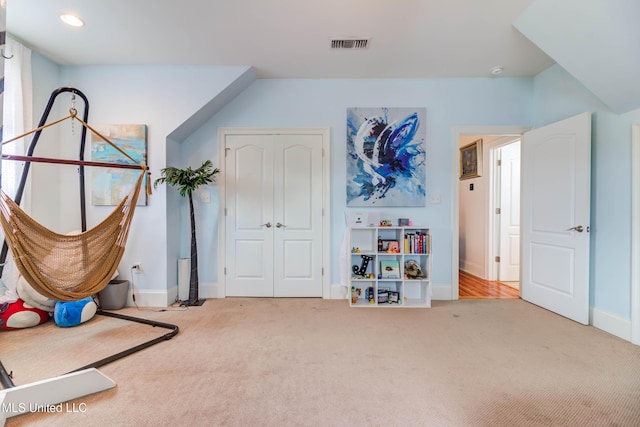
20, 315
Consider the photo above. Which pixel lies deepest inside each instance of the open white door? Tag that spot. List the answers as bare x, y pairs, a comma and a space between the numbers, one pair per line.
556, 188
509, 269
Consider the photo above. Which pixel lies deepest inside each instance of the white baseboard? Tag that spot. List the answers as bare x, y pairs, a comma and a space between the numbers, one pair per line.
474, 269
214, 290
206, 290
337, 292
440, 292
611, 323
210, 290
146, 298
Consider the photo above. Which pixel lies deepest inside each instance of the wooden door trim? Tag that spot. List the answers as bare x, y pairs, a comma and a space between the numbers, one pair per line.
326, 197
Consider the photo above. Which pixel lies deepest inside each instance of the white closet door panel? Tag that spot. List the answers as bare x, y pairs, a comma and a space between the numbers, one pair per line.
298, 208
249, 165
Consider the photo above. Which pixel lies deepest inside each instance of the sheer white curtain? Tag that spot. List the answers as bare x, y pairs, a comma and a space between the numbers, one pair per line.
16, 119
17, 111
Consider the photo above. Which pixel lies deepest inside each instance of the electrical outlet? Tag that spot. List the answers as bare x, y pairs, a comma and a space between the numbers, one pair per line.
137, 267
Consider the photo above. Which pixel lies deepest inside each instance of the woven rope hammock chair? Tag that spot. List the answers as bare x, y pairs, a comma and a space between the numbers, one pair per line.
69, 267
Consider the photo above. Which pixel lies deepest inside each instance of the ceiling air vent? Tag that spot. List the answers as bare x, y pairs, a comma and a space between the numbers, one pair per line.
349, 43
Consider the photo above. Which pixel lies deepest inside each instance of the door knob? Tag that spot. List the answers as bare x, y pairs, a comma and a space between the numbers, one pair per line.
577, 228
280, 225
268, 225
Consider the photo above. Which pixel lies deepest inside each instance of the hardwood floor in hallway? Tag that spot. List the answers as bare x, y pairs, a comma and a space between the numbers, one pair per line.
472, 287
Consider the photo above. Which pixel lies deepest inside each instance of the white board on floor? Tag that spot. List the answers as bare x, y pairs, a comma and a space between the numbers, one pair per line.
44, 395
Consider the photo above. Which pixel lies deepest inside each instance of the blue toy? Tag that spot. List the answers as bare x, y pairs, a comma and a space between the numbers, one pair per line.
73, 313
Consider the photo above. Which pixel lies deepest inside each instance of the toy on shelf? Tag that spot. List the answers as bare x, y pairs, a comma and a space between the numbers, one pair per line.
385, 223
412, 270
355, 294
362, 270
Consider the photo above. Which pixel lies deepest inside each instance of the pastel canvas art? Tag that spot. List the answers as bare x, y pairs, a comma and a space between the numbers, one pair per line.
110, 186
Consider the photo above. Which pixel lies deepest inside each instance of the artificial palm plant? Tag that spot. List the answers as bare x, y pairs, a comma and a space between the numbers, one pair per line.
188, 180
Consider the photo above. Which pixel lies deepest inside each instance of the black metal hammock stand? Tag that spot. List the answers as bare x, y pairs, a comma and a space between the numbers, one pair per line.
87, 379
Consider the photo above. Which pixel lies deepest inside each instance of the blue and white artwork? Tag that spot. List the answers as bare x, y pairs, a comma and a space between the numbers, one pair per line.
111, 185
386, 157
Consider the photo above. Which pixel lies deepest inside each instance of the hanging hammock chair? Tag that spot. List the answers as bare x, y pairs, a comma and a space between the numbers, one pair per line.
69, 267
66, 267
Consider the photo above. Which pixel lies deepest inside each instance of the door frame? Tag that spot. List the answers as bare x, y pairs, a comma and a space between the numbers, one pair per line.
326, 193
459, 131
635, 233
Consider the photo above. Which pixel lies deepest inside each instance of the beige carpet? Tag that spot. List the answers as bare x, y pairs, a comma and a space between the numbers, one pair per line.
310, 362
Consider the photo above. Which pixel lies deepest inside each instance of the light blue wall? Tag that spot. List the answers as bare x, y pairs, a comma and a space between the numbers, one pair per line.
141, 94
162, 97
557, 96
323, 103
46, 76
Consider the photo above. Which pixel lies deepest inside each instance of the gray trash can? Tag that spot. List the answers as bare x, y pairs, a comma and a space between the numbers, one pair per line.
114, 295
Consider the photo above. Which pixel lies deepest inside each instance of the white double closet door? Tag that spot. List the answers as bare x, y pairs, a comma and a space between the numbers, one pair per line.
274, 214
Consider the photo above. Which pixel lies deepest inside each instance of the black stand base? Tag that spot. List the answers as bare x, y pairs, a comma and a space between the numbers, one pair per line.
192, 304
173, 332
6, 377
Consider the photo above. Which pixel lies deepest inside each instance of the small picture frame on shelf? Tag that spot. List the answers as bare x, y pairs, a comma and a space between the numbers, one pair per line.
394, 297
393, 247
389, 269
383, 296
385, 245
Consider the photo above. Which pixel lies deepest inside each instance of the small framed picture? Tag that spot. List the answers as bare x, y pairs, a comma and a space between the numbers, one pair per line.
471, 160
383, 296
393, 247
394, 296
389, 269
385, 245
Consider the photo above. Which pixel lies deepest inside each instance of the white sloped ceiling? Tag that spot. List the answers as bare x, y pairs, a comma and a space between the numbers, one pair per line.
596, 41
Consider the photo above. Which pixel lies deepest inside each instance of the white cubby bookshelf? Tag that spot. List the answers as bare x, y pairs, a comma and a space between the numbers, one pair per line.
386, 281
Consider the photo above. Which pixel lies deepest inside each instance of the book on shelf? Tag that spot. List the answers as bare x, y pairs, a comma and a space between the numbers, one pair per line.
417, 243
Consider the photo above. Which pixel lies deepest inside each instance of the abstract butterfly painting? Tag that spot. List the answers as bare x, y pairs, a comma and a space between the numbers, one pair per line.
386, 157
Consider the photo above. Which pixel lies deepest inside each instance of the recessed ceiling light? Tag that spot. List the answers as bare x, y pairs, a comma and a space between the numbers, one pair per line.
496, 71
71, 19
